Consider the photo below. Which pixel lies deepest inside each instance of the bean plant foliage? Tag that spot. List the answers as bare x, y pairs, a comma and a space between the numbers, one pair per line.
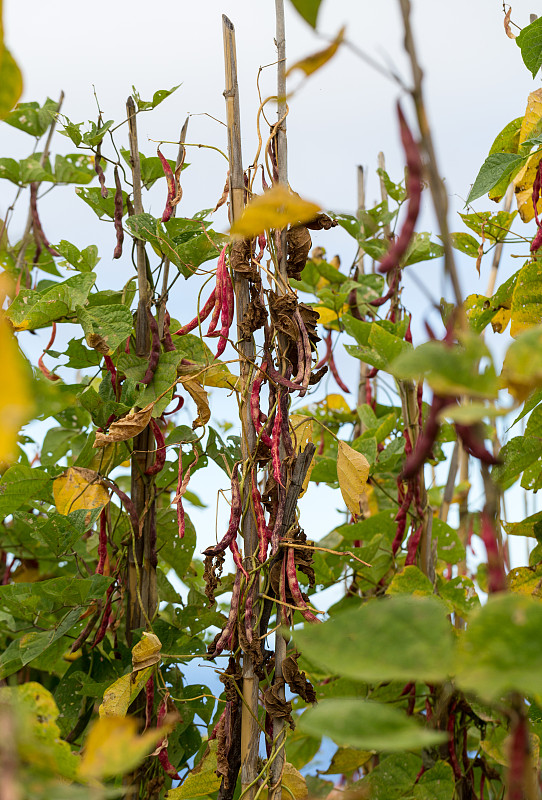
425, 672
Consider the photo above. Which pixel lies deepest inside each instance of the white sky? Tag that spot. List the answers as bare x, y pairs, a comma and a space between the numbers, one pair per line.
475, 84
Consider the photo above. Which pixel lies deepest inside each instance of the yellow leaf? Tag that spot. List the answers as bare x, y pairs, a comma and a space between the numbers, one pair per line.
15, 398
202, 781
533, 113
119, 695
336, 402
199, 396
303, 432
294, 783
78, 488
500, 321
313, 62
275, 209
525, 580
216, 375
126, 428
11, 82
352, 471
114, 747
523, 188
327, 315
146, 652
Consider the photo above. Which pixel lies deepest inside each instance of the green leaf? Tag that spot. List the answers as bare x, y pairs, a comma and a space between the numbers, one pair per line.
421, 248
496, 167
353, 722
529, 42
19, 484
378, 346
106, 325
522, 366
410, 581
80, 357
450, 370
32, 118
501, 650
400, 638
493, 226
516, 455
392, 779
465, 243
74, 168
459, 594
83, 260
301, 749
308, 10
31, 309
202, 781
158, 97
346, 760
102, 206
11, 82
436, 783
449, 547
530, 526
526, 309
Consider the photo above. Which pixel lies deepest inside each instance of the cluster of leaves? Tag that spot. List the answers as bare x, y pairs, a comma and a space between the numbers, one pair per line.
428, 689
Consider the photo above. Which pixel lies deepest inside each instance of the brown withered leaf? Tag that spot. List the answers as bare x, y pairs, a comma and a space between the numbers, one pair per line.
507, 24
321, 223
199, 396
298, 245
282, 308
254, 317
310, 318
98, 343
297, 680
276, 707
125, 428
241, 259
212, 572
317, 376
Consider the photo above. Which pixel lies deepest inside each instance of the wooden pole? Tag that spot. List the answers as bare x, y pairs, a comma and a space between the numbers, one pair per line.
142, 594
277, 766
250, 730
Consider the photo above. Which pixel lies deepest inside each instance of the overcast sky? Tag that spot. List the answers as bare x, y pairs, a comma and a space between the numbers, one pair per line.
343, 116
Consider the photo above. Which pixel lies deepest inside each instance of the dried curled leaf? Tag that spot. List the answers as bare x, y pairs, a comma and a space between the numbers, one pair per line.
146, 652
241, 259
125, 428
282, 309
297, 680
352, 471
79, 488
199, 396
276, 707
299, 243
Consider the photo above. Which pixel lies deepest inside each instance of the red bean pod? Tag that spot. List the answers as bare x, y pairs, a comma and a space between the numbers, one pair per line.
249, 616
220, 270
278, 378
414, 189
401, 519
335, 373
275, 445
229, 628
112, 371
295, 591
167, 766
182, 485
36, 224
226, 311
169, 347
255, 411
537, 185
85, 633
149, 701
202, 316
424, 445
180, 404
235, 516
156, 348
275, 536
473, 443
104, 624
160, 460
286, 438
126, 501
99, 171
48, 374
117, 216
170, 178
412, 547
102, 543
237, 560
327, 354
495, 564
450, 727
264, 534
519, 766
305, 352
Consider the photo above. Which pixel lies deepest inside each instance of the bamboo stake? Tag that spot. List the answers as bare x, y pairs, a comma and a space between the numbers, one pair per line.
360, 270
507, 205
142, 592
277, 767
250, 733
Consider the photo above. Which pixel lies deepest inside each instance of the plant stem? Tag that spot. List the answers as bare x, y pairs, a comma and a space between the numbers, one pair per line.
141, 570
250, 734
